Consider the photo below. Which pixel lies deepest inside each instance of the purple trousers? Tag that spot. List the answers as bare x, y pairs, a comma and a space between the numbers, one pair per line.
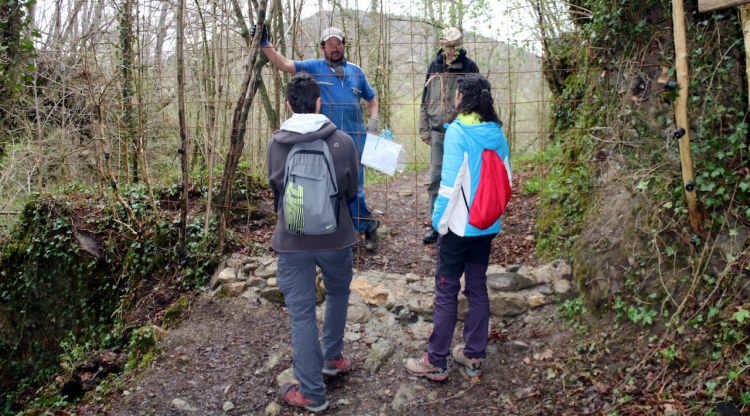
456, 256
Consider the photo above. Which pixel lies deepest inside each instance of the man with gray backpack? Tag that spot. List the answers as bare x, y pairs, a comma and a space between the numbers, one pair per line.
313, 172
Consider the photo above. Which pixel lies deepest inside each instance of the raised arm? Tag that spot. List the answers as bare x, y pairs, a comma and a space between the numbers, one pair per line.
277, 59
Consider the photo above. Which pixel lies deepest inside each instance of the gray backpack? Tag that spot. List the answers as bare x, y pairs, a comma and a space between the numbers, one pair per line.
311, 193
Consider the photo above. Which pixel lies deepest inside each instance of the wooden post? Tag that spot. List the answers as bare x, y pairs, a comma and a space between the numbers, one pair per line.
681, 113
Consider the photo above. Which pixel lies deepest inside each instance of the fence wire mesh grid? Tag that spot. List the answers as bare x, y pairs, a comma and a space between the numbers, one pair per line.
104, 94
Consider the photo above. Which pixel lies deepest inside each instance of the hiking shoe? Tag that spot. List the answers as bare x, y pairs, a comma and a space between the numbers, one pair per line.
430, 237
292, 395
371, 237
422, 367
337, 366
470, 367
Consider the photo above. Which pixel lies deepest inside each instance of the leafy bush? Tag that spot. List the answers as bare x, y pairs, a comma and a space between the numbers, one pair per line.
72, 272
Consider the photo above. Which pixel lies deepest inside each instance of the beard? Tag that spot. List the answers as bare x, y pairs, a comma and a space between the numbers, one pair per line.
334, 56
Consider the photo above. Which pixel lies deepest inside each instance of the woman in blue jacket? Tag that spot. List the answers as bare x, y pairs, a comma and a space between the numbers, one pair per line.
463, 248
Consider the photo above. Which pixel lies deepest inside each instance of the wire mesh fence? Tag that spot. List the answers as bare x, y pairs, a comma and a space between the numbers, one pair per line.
94, 101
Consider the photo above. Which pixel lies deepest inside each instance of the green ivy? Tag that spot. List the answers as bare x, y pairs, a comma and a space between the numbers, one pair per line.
64, 301
676, 272
16, 49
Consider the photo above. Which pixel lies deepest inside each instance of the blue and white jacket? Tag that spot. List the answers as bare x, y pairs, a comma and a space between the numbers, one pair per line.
462, 162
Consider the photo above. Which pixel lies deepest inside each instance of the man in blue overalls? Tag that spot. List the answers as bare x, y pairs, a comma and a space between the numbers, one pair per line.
342, 86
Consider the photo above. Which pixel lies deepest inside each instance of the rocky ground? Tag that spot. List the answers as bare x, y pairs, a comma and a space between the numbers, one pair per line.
230, 352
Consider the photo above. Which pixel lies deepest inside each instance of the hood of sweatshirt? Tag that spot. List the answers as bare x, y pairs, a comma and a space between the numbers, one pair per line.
304, 128
487, 134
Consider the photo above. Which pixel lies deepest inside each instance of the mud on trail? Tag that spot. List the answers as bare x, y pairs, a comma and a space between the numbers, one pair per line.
216, 360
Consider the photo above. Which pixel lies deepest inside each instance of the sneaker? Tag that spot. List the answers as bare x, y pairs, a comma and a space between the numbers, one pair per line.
337, 366
430, 236
371, 237
292, 394
470, 367
422, 367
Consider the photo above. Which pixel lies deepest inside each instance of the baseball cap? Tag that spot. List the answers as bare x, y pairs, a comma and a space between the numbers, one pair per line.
332, 32
450, 35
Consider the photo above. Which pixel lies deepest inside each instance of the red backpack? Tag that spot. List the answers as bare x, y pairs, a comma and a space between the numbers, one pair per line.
493, 192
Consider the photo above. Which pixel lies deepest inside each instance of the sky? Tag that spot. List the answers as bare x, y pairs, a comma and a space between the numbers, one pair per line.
506, 20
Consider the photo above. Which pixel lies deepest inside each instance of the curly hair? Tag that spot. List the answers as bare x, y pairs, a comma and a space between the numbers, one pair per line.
302, 93
476, 94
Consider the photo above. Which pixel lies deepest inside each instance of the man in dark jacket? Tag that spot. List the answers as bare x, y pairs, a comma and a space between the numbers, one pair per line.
437, 105
298, 255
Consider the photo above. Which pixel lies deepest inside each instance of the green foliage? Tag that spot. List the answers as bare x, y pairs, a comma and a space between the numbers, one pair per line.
719, 142
741, 316
572, 310
617, 26
564, 196
670, 353
16, 47
66, 300
142, 347
533, 185
527, 162
641, 315
686, 280
49, 286
176, 312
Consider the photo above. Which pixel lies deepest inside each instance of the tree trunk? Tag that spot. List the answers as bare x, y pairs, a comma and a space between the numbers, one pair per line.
182, 245
213, 126
161, 36
264, 98
129, 137
745, 18
239, 120
10, 36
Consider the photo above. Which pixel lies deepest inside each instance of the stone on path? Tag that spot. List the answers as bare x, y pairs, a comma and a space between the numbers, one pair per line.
561, 287
373, 295
233, 289
272, 362
380, 353
406, 394
273, 295
358, 313
273, 409
508, 282
227, 406
182, 405
286, 377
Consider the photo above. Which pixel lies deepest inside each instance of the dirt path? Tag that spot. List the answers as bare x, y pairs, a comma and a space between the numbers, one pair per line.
213, 358
401, 205
215, 355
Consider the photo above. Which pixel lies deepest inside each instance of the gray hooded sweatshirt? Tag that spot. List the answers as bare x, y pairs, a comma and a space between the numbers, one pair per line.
301, 128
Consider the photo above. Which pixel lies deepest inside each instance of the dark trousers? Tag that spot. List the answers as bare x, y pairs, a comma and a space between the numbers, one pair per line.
456, 256
437, 138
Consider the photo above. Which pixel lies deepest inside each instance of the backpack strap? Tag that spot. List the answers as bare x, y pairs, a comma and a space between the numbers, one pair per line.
334, 180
